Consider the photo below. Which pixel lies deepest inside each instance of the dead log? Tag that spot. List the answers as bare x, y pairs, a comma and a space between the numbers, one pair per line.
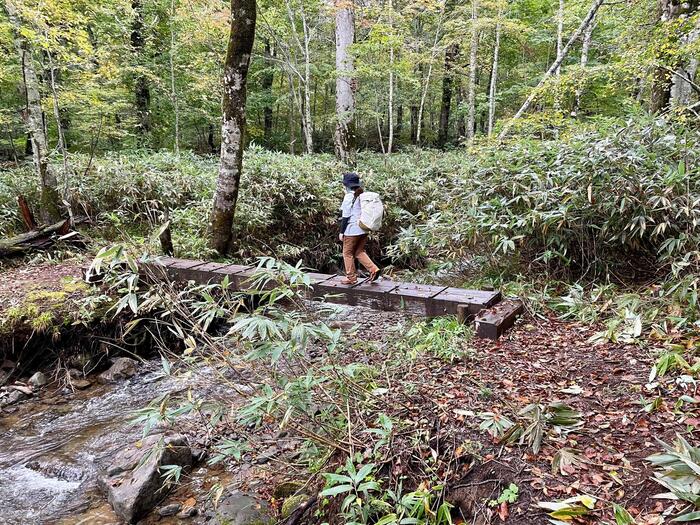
40, 238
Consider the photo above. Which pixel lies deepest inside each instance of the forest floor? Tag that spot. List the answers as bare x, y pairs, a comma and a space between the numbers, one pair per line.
542, 360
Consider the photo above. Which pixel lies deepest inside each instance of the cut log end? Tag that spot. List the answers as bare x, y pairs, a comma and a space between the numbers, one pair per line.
493, 322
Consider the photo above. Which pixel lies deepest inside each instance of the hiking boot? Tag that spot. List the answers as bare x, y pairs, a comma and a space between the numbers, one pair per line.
349, 281
376, 274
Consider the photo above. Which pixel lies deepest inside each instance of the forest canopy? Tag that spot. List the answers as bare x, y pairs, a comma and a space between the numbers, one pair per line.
126, 74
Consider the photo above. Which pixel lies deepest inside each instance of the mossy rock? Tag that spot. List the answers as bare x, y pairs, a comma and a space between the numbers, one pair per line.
286, 489
292, 503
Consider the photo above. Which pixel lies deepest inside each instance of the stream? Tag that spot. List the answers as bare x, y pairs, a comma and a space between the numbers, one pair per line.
53, 445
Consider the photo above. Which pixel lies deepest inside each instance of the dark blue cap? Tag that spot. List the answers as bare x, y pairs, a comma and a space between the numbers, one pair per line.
351, 180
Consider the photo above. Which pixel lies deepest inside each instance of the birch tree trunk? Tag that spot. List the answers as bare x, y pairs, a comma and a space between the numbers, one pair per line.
577, 34
34, 119
307, 122
240, 45
494, 77
345, 82
471, 97
560, 34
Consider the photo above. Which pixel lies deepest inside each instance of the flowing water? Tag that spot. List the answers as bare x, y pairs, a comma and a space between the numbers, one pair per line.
51, 448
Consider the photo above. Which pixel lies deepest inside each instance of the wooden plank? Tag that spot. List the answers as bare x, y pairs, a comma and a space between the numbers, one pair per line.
238, 274
183, 270
333, 290
206, 273
413, 298
446, 302
493, 322
373, 295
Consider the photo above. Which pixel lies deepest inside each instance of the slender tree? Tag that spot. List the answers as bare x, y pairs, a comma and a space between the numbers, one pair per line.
240, 46
345, 82
560, 34
142, 91
473, 48
266, 82
577, 34
451, 54
494, 75
34, 119
173, 90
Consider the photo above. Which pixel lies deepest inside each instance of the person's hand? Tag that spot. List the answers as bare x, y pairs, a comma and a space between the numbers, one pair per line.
340, 237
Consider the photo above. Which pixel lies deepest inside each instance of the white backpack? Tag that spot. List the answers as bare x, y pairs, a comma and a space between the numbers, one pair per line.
372, 211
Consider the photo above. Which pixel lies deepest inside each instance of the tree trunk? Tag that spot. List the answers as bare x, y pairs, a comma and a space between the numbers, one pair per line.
471, 100
210, 138
664, 74
173, 91
34, 119
267, 81
426, 85
585, 50
240, 46
414, 125
307, 122
494, 77
391, 81
683, 83
451, 54
59, 125
399, 123
142, 91
577, 34
560, 34
345, 82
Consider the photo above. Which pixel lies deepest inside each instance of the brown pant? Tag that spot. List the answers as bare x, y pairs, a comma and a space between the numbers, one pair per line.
354, 246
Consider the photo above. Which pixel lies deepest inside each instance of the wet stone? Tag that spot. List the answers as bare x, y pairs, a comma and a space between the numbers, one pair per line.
122, 368
134, 491
81, 384
237, 508
169, 510
15, 397
38, 380
187, 512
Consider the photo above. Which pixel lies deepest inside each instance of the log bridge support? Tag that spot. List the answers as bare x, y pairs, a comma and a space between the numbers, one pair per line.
491, 314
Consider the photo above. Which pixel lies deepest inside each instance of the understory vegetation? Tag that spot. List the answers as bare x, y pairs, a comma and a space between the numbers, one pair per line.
606, 219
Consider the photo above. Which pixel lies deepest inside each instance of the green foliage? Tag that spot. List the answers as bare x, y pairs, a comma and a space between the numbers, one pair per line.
443, 337
509, 494
678, 470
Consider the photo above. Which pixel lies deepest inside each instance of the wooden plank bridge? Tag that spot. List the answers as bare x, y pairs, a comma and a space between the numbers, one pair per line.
492, 315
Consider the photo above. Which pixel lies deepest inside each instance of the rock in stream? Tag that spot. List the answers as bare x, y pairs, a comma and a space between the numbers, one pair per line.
133, 482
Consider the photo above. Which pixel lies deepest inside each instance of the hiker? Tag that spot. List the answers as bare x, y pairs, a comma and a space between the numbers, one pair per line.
352, 235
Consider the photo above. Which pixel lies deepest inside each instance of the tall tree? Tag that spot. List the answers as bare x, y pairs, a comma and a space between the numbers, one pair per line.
266, 82
473, 48
451, 54
34, 118
533, 94
560, 34
345, 82
233, 126
142, 91
494, 75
